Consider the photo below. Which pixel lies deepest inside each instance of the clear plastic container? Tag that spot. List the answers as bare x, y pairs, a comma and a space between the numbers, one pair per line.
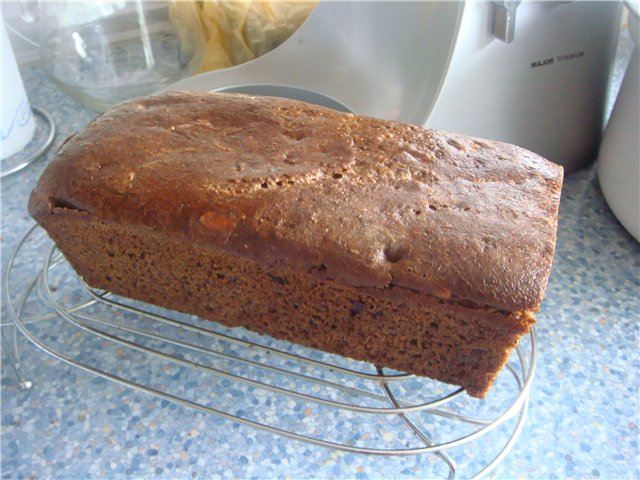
106, 52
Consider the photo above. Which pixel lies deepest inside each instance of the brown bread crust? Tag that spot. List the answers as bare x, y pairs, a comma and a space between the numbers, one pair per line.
427, 227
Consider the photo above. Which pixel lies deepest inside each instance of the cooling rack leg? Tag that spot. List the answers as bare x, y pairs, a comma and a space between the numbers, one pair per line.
11, 349
424, 437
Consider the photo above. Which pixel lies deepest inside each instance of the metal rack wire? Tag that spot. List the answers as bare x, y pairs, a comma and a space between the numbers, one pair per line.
136, 345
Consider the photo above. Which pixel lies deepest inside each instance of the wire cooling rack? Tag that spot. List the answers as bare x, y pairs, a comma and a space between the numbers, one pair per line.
255, 380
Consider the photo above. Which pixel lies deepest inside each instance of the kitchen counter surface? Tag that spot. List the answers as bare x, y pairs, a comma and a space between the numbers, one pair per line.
583, 412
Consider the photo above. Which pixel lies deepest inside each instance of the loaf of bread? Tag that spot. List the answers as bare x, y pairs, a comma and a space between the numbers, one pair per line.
419, 250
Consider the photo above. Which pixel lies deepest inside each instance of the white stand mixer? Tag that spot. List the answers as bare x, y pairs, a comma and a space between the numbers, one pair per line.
538, 79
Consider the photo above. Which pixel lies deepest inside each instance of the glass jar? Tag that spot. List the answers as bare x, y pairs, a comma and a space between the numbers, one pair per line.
105, 52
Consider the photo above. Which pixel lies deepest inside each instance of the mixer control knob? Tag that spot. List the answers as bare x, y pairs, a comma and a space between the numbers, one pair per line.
504, 19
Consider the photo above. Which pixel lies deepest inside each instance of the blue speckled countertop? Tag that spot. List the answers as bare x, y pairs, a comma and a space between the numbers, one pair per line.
584, 405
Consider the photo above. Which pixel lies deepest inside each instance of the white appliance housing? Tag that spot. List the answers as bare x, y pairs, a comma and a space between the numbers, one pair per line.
619, 159
530, 73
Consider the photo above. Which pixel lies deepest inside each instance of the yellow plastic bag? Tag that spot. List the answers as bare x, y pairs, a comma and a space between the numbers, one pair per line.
234, 32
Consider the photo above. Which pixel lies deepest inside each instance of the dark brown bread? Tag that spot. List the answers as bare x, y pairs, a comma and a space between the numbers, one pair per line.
410, 248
